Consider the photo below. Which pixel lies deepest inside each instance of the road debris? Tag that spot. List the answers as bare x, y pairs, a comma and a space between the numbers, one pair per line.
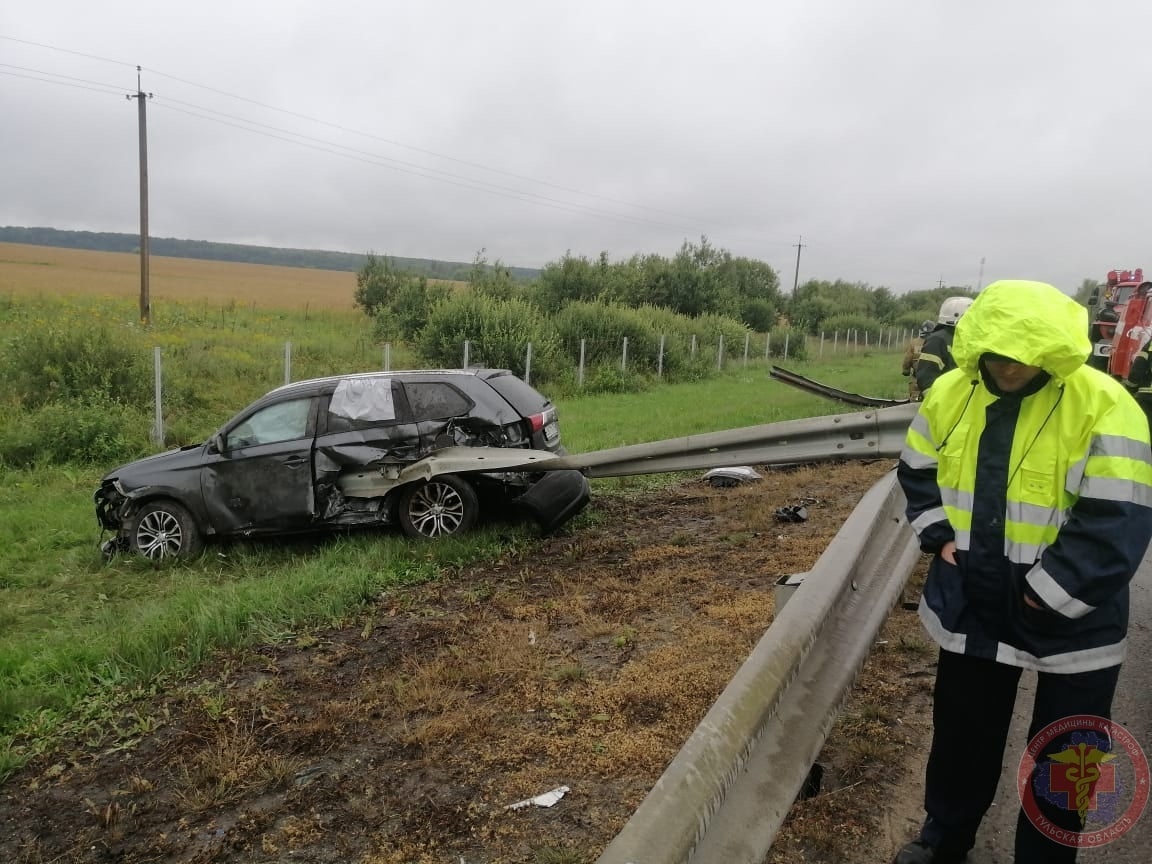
546, 799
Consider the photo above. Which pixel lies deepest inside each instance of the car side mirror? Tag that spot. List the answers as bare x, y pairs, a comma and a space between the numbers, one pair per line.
217, 443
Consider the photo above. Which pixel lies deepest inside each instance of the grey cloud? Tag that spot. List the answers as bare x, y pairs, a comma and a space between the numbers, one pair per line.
904, 141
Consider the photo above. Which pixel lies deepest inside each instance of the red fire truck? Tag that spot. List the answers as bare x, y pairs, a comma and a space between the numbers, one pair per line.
1121, 314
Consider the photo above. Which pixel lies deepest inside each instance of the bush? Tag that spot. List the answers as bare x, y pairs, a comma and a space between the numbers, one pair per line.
794, 338
603, 328
610, 378
95, 430
60, 365
498, 331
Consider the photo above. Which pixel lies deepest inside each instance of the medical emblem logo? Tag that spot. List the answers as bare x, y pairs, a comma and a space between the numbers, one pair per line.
1083, 771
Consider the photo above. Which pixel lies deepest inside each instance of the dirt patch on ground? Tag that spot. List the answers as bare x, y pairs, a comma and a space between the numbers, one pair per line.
403, 735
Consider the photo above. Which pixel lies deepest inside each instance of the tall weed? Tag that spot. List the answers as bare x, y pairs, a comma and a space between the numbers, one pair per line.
57, 364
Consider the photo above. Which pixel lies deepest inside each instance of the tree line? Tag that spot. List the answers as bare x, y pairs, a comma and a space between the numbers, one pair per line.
580, 308
314, 259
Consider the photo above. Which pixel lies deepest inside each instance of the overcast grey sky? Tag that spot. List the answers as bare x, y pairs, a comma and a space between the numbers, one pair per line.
904, 139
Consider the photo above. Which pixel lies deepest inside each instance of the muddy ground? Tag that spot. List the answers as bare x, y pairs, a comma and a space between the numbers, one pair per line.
404, 734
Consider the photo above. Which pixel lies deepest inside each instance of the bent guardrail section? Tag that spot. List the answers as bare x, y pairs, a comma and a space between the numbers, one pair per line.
861, 435
725, 794
810, 385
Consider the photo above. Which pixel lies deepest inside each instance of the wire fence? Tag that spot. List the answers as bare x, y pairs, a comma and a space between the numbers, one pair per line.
647, 356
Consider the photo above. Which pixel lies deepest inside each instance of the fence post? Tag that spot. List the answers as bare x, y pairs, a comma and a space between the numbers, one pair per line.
747, 337
528, 365
821, 354
787, 334
720, 353
158, 428
693, 354
467, 345
835, 341
660, 359
387, 356
767, 345
287, 362
580, 371
624, 356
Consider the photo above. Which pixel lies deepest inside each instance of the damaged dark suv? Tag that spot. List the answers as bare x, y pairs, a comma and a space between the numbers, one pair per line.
378, 448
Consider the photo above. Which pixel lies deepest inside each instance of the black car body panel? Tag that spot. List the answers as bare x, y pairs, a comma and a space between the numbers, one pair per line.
277, 466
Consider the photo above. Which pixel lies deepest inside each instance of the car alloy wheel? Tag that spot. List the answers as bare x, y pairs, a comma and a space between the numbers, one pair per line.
442, 507
163, 529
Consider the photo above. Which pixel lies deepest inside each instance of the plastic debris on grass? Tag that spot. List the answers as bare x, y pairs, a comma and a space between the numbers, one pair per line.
546, 799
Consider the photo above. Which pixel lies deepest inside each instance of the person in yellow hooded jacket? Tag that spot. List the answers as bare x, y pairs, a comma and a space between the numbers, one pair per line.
1028, 476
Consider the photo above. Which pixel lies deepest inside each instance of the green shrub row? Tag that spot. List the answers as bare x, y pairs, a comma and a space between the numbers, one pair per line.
498, 332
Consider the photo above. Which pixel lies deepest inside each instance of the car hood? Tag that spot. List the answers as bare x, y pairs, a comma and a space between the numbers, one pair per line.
142, 471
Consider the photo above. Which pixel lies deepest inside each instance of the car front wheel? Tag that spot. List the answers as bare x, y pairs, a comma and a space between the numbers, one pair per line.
442, 507
163, 529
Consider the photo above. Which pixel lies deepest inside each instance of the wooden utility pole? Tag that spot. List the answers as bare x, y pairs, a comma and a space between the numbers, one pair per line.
142, 122
796, 276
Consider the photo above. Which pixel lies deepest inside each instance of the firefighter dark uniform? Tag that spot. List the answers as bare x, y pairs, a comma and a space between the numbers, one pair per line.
935, 357
936, 353
1046, 492
1140, 380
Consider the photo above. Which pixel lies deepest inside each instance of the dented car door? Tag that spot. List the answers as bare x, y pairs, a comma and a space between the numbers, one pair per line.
261, 478
364, 424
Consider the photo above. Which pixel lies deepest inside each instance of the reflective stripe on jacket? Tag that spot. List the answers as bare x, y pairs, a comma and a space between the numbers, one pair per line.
1047, 495
935, 357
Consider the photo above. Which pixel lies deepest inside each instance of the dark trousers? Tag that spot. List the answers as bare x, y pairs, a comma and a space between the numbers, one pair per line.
971, 716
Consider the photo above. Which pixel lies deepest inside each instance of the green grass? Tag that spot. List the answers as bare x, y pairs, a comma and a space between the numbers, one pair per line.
744, 397
80, 638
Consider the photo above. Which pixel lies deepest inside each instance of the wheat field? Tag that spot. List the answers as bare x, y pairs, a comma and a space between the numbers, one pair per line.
49, 271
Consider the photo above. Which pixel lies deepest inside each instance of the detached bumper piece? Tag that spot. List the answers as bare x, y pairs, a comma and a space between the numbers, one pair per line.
556, 498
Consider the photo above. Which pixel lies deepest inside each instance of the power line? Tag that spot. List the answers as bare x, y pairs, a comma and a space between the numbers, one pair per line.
515, 195
67, 51
108, 92
348, 129
420, 149
378, 160
415, 168
425, 172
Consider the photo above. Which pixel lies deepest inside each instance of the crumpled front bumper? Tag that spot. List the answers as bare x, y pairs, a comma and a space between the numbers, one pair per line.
110, 500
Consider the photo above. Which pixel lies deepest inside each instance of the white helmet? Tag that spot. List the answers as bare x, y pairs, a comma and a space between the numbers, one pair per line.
952, 308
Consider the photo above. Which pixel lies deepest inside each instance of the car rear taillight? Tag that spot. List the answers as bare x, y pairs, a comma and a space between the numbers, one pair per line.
545, 422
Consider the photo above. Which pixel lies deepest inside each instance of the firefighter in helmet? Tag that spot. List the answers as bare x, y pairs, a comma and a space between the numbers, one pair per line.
911, 355
1139, 379
936, 353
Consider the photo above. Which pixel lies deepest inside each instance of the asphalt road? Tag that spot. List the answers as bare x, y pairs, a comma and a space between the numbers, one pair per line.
1132, 709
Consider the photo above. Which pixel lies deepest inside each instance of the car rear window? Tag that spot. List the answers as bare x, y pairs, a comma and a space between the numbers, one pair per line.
523, 397
431, 400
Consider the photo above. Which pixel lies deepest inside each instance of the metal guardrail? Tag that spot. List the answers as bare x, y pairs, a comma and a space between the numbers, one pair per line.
863, 435
724, 796
809, 385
